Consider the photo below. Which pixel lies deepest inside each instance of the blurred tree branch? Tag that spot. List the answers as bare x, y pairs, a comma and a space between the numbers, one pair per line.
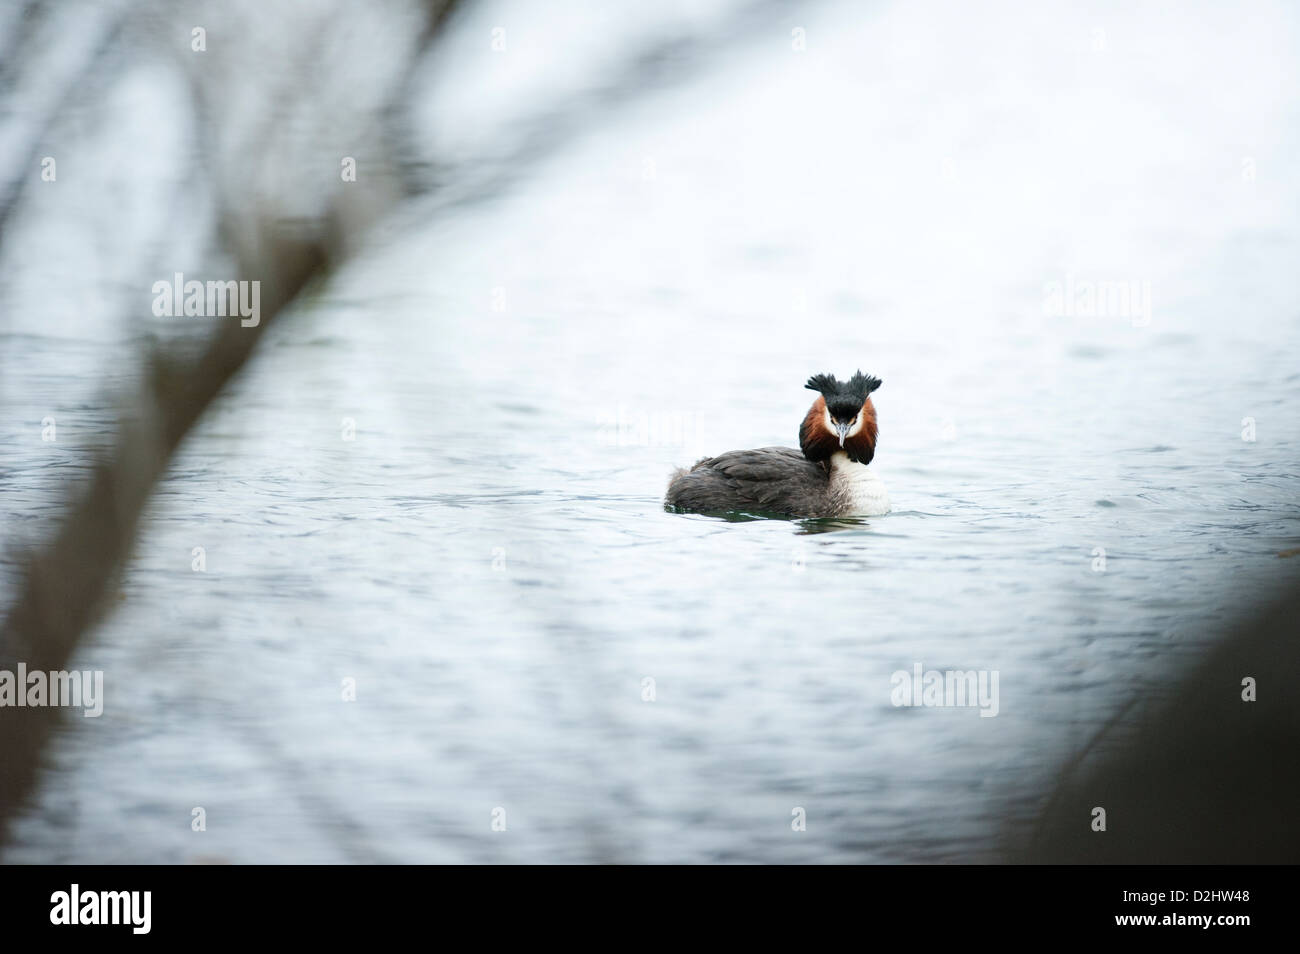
86, 38
65, 583
1204, 777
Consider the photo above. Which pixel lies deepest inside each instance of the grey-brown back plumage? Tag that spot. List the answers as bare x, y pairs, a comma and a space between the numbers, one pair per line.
767, 479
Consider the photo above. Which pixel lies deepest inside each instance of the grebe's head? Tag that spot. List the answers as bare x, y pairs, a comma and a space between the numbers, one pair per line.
842, 418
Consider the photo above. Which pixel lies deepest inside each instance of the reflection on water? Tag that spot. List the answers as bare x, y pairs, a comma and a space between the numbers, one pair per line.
831, 524
528, 629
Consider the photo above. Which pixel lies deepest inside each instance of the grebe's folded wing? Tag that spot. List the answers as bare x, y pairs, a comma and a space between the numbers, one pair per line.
767, 464
765, 478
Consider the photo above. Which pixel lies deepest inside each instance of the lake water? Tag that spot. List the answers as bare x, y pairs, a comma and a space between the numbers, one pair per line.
1076, 505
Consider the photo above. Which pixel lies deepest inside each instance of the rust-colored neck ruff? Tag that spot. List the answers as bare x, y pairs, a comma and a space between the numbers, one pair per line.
818, 443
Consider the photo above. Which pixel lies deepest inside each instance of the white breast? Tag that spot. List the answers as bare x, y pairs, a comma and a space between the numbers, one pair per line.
861, 492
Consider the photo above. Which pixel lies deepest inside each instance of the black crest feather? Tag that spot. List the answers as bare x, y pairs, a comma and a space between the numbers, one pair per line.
852, 392
825, 383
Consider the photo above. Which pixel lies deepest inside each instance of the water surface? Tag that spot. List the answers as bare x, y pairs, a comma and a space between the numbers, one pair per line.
489, 558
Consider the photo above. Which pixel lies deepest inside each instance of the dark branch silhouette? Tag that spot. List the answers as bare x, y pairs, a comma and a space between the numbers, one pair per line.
65, 582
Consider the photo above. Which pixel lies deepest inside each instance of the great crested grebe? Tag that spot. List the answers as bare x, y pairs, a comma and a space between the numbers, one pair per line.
827, 477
